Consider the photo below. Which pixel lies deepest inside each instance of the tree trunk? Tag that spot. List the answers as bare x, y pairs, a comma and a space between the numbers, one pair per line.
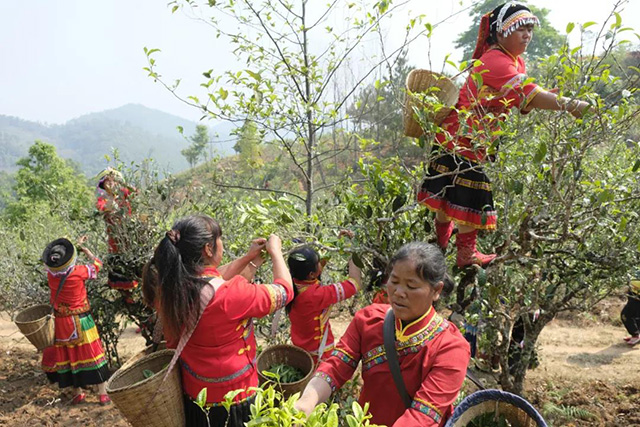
311, 135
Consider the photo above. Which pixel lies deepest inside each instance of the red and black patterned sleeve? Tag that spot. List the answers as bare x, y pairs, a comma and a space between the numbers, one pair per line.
245, 299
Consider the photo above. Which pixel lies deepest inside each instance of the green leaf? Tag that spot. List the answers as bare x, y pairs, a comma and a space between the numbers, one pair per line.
429, 29
588, 24
357, 260
399, 202
201, 399
148, 373
332, 419
256, 76
570, 27
518, 187
351, 421
381, 187
150, 51
285, 218
357, 410
368, 212
482, 277
383, 5
636, 166
541, 152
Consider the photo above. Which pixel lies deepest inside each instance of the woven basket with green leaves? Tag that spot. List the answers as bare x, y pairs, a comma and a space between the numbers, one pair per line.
431, 96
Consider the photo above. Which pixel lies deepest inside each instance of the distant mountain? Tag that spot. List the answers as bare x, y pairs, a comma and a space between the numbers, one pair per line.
137, 132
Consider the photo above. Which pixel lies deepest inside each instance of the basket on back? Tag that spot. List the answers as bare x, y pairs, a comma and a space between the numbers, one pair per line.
37, 324
289, 355
426, 90
144, 402
516, 410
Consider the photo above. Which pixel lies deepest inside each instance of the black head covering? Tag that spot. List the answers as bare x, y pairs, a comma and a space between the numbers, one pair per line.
59, 255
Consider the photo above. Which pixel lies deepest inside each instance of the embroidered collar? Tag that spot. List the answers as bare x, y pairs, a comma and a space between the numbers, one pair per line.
305, 283
210, 271
415, 327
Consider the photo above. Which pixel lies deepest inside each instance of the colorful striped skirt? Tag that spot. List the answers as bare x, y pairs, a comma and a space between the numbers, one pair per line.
459, 189
77, 358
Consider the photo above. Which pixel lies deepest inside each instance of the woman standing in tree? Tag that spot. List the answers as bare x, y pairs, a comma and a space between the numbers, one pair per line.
114, 205
456, 187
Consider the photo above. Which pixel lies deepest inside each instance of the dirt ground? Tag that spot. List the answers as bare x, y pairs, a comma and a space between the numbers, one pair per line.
587, 377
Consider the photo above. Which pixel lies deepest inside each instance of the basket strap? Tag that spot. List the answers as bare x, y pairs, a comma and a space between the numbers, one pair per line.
323, 343
389, 333
276, 322
64, 279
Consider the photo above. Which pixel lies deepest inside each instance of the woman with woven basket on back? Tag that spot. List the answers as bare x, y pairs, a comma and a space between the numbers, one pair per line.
77, 358
456, 188
220, 355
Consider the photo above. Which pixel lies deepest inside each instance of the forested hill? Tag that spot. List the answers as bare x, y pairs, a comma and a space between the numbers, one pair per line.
136, 131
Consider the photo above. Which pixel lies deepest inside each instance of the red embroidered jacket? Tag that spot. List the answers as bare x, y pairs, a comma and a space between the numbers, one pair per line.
502, 88
221, 353
310, 311
433, 358
73, 296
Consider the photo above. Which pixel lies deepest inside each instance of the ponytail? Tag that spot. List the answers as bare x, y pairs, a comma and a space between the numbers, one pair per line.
172, 279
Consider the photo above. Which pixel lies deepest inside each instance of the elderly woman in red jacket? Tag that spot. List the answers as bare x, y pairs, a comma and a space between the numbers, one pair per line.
432, 354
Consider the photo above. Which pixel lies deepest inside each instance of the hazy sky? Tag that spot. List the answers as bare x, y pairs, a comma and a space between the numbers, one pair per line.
60, 59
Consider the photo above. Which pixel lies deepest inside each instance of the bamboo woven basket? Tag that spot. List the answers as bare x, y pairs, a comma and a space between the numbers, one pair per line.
144, 402
514, 408
147, 351
37, 324
289, 355
420, 84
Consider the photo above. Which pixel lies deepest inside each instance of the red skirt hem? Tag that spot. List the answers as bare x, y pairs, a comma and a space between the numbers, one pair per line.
458, 214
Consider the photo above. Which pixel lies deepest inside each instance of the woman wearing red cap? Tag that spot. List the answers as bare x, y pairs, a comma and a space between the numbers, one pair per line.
456, 188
